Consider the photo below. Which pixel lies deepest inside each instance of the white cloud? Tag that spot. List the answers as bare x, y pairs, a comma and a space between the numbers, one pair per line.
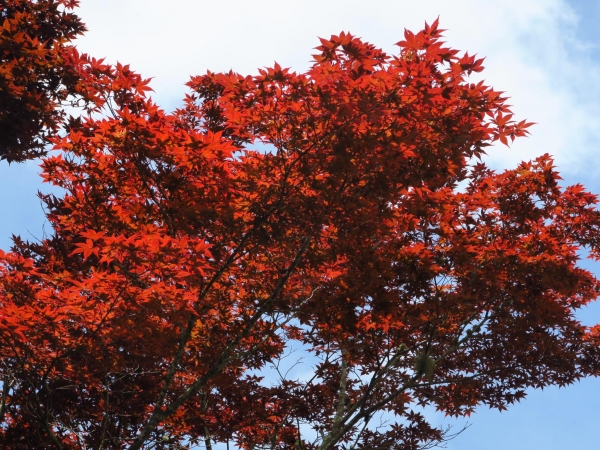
530, 47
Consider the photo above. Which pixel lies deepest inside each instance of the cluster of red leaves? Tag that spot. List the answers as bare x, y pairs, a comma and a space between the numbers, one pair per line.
34, 74
183, 262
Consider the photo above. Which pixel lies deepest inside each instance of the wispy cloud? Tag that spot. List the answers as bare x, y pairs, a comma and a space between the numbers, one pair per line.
531, 49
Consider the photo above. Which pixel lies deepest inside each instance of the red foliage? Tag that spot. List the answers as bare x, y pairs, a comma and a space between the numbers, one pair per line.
184, 263
35, 76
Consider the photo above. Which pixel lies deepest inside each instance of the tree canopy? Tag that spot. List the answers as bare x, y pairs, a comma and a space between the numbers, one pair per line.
185, 260
36, 74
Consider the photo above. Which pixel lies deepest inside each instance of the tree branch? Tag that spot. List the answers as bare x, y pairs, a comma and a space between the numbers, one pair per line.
160, 414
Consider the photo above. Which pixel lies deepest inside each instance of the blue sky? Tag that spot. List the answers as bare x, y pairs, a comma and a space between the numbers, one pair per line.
544, 53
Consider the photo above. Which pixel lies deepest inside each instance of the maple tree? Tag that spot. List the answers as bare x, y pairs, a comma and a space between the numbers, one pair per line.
185, 261
36, 74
